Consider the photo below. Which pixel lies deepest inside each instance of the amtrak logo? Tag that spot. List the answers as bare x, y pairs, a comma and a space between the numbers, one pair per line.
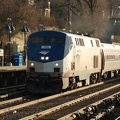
78, 57
44, 52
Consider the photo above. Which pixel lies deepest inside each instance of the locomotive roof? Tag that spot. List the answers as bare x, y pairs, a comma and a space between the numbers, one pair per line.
46, 31
59, 32
106, 45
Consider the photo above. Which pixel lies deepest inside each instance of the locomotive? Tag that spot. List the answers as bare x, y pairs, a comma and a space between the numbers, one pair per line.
58, 61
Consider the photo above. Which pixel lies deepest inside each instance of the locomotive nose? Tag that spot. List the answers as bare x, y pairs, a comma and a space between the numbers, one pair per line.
45, 80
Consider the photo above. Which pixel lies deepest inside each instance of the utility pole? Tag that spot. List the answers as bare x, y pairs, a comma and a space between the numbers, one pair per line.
25, 30
69, 20
10, 28
47, 10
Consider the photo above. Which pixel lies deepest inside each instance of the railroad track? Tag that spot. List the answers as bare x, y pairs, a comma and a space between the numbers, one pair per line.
97, 111
57, 112
41, 107
12, 92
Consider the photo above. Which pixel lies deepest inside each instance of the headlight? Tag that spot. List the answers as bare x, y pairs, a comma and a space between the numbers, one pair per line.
42, 58
56, 64
32, 64
47, 58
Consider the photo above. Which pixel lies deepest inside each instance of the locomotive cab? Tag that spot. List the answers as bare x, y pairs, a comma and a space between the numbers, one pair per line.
46, 53
58, 61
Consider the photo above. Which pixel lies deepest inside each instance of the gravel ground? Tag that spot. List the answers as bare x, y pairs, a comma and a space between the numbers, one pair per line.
113, 115
15, 115
74, 107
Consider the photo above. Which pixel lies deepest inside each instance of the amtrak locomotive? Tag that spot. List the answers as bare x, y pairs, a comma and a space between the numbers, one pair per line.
58, 61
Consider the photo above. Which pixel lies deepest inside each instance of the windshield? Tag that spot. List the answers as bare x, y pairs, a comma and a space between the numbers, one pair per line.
47, 40
57, 40
37, 39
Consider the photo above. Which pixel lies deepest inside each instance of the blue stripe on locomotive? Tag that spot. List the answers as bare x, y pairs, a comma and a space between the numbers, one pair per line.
55, 51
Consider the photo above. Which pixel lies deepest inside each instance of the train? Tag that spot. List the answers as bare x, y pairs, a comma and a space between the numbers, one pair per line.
59, 61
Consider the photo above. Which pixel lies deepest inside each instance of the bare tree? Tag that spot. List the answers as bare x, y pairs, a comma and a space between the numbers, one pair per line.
74, 10
85, 15
91, 4
19, 11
